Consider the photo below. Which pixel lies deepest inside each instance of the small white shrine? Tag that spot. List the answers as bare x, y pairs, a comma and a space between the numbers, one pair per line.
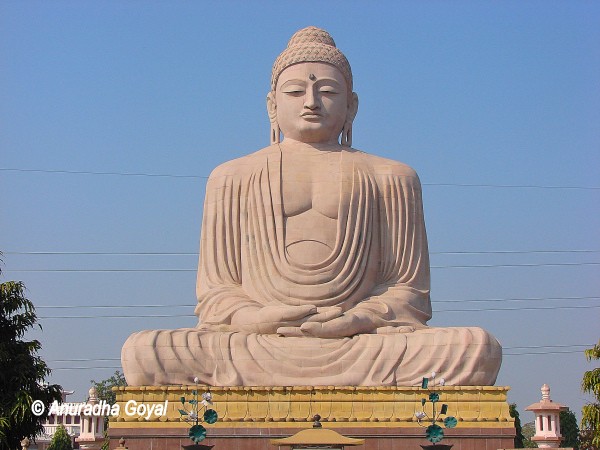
91, 436
547, 420
85, 429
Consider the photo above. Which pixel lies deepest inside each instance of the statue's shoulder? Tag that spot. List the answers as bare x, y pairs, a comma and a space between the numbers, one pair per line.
381, 166
241, 166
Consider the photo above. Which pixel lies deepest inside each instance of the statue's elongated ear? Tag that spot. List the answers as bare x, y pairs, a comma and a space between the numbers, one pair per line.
275, 135
272, 107
352, 108
346, 136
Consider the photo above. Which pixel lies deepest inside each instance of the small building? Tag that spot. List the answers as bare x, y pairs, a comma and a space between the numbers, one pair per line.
71, 423
86, 431
91, 435
547, 420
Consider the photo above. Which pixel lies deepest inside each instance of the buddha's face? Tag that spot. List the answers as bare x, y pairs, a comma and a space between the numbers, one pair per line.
312, 102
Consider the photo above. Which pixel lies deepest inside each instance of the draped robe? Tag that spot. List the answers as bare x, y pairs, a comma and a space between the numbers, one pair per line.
379, 265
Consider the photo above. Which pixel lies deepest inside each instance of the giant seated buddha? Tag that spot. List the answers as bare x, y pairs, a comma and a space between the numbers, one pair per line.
314, 268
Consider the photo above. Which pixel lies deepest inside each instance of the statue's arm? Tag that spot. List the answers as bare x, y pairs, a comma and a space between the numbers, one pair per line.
218, 285
223, 304
402, 296
400, 302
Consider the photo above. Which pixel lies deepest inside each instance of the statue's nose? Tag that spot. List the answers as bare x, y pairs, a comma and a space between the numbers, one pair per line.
310, 100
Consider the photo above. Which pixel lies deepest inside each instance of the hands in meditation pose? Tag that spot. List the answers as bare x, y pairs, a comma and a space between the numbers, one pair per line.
314, 268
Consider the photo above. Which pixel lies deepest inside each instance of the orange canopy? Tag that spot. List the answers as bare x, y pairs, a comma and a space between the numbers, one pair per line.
317, 436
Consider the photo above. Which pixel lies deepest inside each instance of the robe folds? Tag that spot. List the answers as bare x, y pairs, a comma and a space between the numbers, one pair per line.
379, 265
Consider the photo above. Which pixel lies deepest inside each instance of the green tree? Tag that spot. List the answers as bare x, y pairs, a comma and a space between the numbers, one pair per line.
61, 440
105, 392
512, 409
585, 440
590, 420
528, 433
569, 429
22, 371
104, 387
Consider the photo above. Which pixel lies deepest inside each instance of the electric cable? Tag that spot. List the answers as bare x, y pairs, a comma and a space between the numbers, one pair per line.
204, 177
461, 266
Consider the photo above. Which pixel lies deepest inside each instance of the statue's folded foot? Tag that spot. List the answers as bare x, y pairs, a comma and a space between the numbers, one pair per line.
463, 356
159, 357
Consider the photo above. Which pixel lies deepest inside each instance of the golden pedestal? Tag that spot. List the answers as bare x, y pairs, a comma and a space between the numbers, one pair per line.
250, 416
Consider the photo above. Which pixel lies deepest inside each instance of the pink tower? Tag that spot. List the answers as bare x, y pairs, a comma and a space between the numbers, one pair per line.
547, 421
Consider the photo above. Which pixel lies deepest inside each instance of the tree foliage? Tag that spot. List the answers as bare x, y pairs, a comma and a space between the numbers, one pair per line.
61, 440
528, 433
104, 387
105, 392
585, 440
512, 409
22, 371
569, 429
590, 420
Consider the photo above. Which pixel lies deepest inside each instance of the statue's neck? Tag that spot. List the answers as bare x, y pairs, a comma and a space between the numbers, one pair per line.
291, 145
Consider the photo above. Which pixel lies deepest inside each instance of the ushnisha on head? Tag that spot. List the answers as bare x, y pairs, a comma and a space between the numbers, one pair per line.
316, 49
311, 44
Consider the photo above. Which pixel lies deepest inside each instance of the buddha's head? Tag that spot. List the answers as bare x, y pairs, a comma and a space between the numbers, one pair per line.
311, 98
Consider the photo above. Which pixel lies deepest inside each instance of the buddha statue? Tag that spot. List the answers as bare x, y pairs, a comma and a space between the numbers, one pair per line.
314, 267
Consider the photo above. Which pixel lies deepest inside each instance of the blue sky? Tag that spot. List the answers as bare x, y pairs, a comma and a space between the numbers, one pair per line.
495, 104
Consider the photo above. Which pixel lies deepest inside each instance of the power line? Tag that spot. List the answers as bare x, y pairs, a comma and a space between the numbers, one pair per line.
144, 316
511, 186
99, 270
516, 299
89, 172
161, 175
109, 253
487, 300
549, 346
464, 266
510, 252
467, 252
532, 308
536, 347
83, 359
503, 355
111, 306
86, 368
540, 353
488, 266
549, 352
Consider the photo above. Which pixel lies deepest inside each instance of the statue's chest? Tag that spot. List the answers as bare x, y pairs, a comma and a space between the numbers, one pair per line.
311, 184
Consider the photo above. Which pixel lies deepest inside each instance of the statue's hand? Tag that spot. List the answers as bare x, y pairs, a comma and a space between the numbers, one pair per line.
268, 319
394, 330
346, 325
324, 314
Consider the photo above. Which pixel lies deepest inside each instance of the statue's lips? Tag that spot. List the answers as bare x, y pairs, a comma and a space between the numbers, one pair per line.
311, 116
